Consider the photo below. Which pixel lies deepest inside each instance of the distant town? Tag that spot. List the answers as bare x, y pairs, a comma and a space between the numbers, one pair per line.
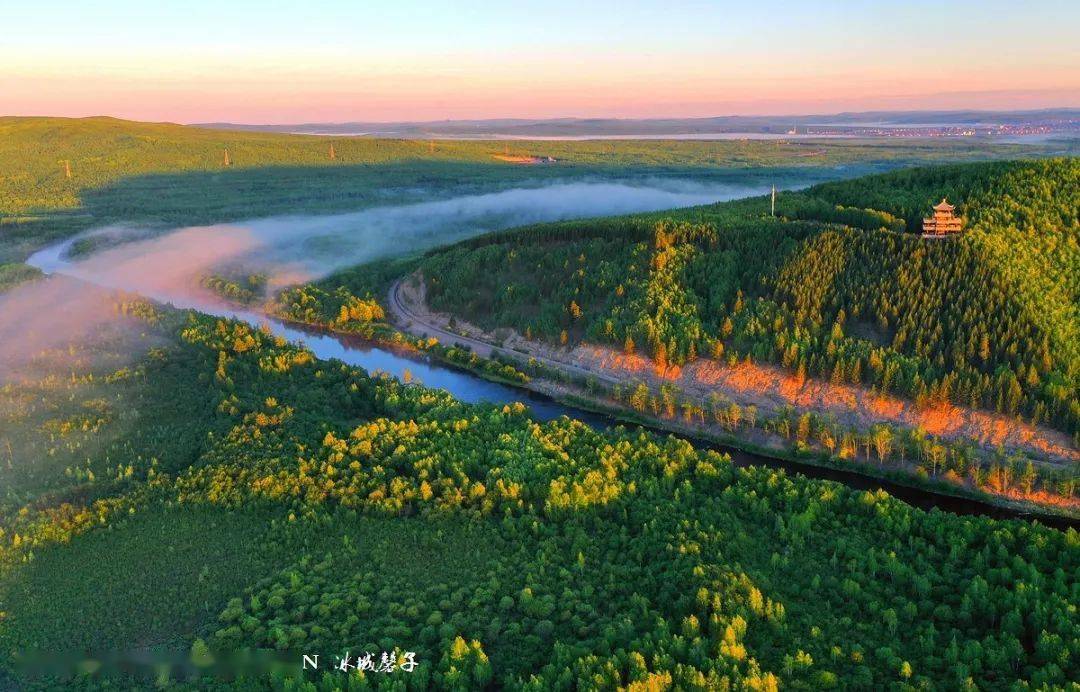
1063, 122
1025, 130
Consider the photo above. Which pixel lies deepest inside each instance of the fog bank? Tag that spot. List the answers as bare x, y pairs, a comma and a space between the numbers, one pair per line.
290, 249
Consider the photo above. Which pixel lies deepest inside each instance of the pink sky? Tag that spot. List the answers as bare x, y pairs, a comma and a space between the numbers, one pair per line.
285, 99
245, 61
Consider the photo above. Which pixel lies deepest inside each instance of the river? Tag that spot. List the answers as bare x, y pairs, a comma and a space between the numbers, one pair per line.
107, 269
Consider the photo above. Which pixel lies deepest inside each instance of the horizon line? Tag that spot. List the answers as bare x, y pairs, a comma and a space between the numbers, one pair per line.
568, 118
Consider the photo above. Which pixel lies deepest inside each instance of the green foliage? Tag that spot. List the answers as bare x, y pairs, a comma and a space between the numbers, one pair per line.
91, 418
164, 174
246, 290
15, 273
107, 592
199, 484
833, 288
344, 512
338, 309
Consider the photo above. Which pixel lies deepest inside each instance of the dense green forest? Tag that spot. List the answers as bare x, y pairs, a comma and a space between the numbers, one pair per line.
200, 486
59, 176
884, 448
184, 487
835, 286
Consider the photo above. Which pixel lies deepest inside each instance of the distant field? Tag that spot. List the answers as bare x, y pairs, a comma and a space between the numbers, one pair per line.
171, 174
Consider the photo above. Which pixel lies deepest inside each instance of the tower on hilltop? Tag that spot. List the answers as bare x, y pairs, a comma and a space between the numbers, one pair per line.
943, 223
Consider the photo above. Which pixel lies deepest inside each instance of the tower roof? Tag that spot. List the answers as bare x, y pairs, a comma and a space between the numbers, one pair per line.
944, 205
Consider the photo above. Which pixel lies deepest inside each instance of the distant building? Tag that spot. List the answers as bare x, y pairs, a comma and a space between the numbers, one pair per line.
943, 223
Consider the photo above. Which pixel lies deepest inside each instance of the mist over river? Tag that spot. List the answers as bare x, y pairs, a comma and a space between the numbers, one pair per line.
290, 249
168, 267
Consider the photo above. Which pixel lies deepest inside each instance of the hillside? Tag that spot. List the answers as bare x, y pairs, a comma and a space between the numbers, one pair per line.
178, 483
835, 287
160, 173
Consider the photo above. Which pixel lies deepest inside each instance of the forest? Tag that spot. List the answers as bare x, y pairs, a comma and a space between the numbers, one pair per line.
60, 176
184, 494
226, 491
835, 286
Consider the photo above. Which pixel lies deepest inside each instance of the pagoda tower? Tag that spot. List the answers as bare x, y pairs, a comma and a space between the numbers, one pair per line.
943, 223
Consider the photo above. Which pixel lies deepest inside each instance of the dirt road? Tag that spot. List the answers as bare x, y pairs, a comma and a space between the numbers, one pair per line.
407, 315
767, 387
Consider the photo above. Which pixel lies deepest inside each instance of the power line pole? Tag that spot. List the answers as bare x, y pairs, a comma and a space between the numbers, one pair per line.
67, 169
774, 200
332, 154
227, 162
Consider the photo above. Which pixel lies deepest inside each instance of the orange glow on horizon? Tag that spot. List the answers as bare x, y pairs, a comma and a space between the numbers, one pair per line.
289, 98
727, 61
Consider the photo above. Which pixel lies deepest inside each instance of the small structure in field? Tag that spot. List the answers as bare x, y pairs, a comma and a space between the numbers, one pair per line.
943, 223
527, 159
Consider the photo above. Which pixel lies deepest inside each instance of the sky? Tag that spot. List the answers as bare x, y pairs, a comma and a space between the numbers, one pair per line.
274, 62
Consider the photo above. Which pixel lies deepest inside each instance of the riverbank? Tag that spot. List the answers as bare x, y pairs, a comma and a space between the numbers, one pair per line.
545, 384
581, 388
549, 397
893, 480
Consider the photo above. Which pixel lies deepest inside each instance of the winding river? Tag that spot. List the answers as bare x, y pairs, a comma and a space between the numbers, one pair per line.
100, 270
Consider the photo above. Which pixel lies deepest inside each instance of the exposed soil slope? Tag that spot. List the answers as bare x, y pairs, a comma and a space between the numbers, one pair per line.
768, 387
